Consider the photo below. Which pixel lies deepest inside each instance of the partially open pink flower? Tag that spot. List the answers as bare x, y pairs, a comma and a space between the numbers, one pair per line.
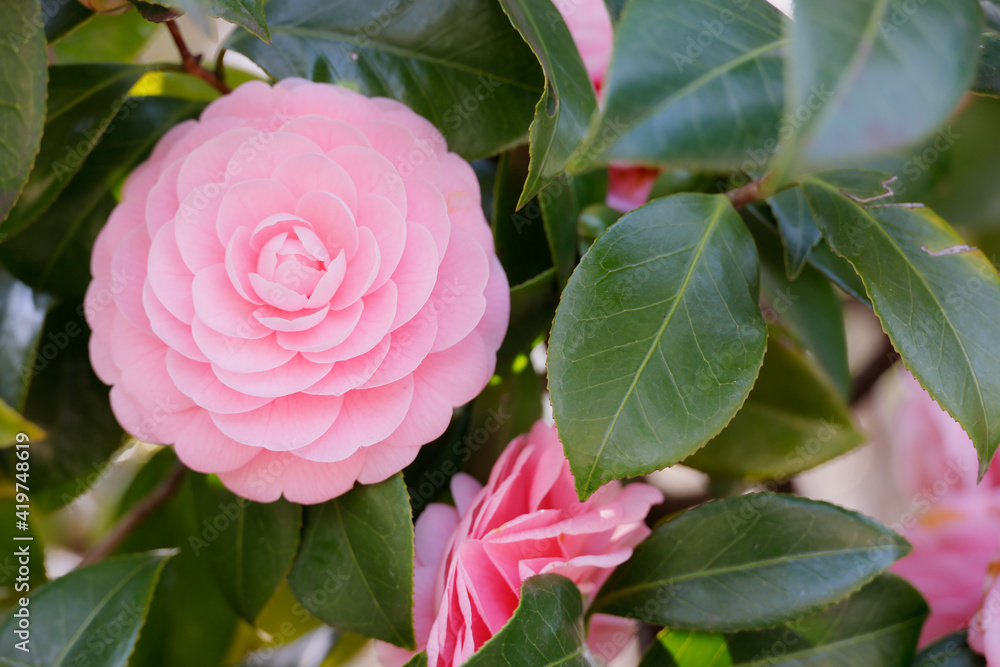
984, 631
589, 24
296, 290
527, 520
952, 546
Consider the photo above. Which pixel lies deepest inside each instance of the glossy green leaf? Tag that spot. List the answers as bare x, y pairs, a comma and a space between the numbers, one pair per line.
563, 113
90, 616
950, 651
246, 13
874, 75
749, 562
458, 63
22, 314
987, 81
355, 567
53, 254
251, 556
935, 297
878, 625
83, 100
71, 404
693, 83
799, 232
104, 38
419, 660
22, 97
62, 17
794, 419
546, 628
657, 340
561, 203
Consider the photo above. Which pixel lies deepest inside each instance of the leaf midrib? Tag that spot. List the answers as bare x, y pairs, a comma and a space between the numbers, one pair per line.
754, 565
713, 222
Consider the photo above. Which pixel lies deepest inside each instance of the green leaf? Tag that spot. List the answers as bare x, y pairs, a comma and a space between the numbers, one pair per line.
189, 624
62, 17
246, 13
71, 404
878, 625
987, 80
22, 314
546, 628
458, 63
252, 555
657, 340
874, 80
749, 562
935, 298
22, 98
686, 648
90, 616
53, 254
357, 550
520, 235
950, 651
83, 101
799, 232
694, 83
563, 113
104, 38
561, 203
807, 307
793, 420
12, 424
419, 660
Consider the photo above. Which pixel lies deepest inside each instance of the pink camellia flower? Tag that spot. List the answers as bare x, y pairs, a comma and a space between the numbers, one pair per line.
952, 546
296, 290
933, 455
590, 26
984, 631
471, 559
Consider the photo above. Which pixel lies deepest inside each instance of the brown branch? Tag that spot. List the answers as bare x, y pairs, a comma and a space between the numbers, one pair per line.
192, 63
135, 516
748, 193
869, 376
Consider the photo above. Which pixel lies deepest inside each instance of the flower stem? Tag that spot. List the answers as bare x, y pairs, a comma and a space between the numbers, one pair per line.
191, 63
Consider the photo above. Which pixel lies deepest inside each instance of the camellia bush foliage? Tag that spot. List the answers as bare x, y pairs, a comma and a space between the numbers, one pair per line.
674, 203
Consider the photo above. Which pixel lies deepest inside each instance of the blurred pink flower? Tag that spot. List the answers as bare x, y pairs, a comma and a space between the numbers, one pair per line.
590, 25
933, 455
471, 559
952, 546
984, 631
296, 290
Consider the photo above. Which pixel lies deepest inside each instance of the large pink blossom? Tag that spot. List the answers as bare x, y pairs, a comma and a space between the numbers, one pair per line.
296, 290
471, 559
589, 24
